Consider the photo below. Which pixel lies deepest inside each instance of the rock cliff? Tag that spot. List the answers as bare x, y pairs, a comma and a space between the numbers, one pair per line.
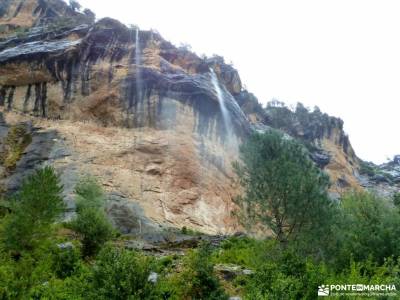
126, 106
158, 125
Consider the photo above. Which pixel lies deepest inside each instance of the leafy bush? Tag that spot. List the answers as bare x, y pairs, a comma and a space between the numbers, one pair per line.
285, 275
197, 279
91, 222
94, 229
369, 228
89, 194
121, 274
18, 277
66, 261
75, 287
246, 252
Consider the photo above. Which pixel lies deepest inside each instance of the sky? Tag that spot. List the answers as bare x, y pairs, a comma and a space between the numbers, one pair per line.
342, 56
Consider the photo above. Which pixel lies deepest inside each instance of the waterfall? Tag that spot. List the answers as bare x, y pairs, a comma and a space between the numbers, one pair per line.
137, 62
139, 104
224, 111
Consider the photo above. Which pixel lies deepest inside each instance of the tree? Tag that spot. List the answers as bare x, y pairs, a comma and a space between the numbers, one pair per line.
34, 208
284, 190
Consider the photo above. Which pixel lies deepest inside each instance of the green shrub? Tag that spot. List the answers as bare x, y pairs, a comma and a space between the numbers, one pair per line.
286, 275
369, 228
18, 277
121, 274
75, 287
89, 194
246, 252
93, 228
34, 208
66, 261
91, 222
197, 279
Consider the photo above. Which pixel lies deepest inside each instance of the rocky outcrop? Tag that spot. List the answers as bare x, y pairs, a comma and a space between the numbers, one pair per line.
323, 136
383, 179
171, 166
21, 15
143, 116
392, 169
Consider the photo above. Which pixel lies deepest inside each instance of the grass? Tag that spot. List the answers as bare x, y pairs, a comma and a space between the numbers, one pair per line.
15, 143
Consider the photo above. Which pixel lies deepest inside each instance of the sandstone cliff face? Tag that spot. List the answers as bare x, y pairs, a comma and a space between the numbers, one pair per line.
86, 82
143, 116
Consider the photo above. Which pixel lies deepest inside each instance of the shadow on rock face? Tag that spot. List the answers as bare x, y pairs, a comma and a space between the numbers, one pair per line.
128, 216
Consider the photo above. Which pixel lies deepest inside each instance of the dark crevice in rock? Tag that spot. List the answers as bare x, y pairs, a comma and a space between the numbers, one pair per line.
21, 3
85, 79
27, 97
3, 94
10, 97
40, 108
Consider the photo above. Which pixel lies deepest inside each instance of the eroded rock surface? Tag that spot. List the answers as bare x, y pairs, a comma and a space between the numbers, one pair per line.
143, 116
172, 166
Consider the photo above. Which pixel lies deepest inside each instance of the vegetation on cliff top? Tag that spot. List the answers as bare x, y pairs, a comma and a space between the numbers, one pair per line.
301, 122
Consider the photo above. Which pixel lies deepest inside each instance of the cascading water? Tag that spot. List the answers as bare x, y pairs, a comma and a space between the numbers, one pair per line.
224, 111
139, 105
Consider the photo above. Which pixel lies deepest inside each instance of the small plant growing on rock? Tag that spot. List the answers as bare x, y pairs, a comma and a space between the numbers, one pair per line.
18, 138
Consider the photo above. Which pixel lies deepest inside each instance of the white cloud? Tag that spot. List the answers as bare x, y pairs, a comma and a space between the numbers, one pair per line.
343, 56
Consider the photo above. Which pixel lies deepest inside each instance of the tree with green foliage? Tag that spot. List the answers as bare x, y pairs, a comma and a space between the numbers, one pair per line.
34, 209
369, 228
91, 222
284, 190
